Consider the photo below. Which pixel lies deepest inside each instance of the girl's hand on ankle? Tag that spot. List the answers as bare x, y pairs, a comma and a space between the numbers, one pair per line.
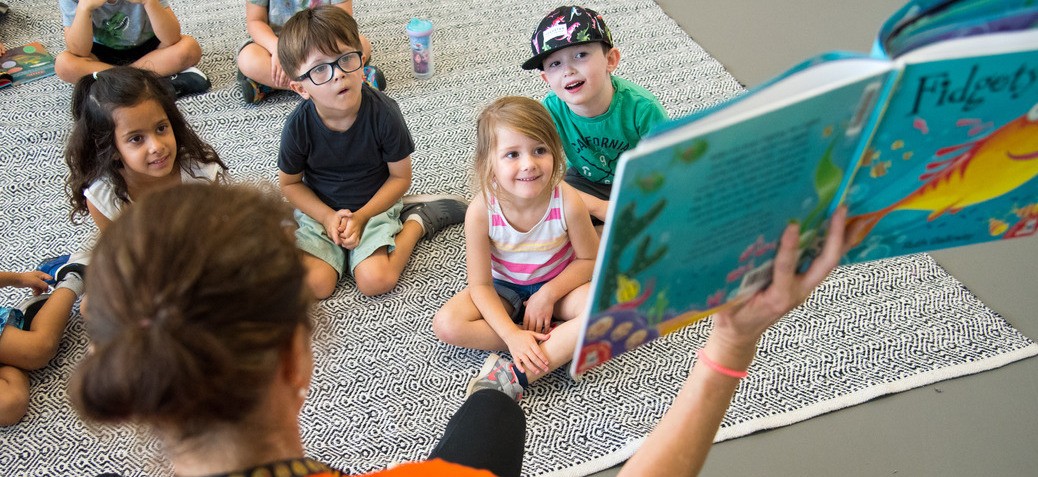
525, 348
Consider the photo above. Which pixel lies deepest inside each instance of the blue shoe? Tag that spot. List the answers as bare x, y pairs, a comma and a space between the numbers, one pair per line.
189, 81
51, 265
58, 267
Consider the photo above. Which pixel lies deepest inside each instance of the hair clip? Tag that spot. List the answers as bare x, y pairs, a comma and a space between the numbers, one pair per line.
95, 76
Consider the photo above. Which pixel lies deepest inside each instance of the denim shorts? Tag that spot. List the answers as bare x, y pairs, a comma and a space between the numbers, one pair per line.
516, 295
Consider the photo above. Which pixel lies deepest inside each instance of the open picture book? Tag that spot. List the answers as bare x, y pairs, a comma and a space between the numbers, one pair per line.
931, 141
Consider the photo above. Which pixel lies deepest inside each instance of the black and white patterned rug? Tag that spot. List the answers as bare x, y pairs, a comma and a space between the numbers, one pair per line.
384, 387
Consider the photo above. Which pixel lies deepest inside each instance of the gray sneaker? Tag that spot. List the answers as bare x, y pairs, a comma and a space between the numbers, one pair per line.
436, 211
496, 374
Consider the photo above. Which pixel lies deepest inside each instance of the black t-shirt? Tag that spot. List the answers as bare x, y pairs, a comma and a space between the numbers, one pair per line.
345, 169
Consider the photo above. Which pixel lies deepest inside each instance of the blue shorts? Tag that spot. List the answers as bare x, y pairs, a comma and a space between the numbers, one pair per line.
516, 295
380, 231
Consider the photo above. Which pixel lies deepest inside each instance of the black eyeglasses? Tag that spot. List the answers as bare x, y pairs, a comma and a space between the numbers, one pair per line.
324, 72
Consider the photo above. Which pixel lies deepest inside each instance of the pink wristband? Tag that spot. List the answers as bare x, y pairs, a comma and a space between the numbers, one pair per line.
714, 365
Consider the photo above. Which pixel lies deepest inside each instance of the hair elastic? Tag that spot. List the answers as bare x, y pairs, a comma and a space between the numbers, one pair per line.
714, 365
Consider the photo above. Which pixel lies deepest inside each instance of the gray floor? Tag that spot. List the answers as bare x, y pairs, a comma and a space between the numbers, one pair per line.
986, 424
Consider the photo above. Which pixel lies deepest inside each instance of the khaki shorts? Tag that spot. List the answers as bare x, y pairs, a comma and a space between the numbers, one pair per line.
379, 232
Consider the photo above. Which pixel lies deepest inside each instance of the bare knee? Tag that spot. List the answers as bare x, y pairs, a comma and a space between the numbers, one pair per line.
192, 50
253, 59
373, 282
14, 395
65, 67
446, 327
321, 278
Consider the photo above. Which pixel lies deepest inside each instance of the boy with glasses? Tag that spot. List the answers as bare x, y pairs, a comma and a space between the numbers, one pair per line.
345, 162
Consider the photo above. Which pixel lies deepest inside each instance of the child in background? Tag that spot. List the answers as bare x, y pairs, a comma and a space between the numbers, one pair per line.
345, 161
31, 332
129, 139
259, 70
598, 115
530, 250
146, 34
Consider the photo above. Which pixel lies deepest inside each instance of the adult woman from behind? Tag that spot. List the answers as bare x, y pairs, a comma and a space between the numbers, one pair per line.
199, 329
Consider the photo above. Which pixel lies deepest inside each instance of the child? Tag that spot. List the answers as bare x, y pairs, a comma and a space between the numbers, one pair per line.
31, 332
259, 71
129, 139
598, 115
345, 161
100, 34
530, 250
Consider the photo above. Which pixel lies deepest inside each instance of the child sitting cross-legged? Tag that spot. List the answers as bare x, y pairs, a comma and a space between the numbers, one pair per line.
100, 34
345, 162
530, 250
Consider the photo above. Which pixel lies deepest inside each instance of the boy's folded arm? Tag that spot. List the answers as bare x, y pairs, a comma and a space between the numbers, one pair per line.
303, 198
163, 22
79, 36
257, 24
391, 191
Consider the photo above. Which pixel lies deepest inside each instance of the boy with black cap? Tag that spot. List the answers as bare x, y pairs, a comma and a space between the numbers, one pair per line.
598, 115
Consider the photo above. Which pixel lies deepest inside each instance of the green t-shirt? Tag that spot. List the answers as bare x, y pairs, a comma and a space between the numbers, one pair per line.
593, 145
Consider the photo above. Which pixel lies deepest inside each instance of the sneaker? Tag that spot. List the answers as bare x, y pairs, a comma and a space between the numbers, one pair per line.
51, 265
11, 317
251, 91
29, 307
374, 78
190, 81
436, 212
496, 374
76, 262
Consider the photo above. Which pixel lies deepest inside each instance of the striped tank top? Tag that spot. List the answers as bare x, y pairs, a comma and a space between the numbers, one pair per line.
536, 256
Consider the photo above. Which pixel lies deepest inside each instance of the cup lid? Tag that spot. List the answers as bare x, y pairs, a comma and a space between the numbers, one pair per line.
419, 25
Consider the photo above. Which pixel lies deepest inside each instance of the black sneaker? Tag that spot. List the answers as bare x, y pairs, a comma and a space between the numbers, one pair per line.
29, 307
251, 91
436, 212
190, 81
